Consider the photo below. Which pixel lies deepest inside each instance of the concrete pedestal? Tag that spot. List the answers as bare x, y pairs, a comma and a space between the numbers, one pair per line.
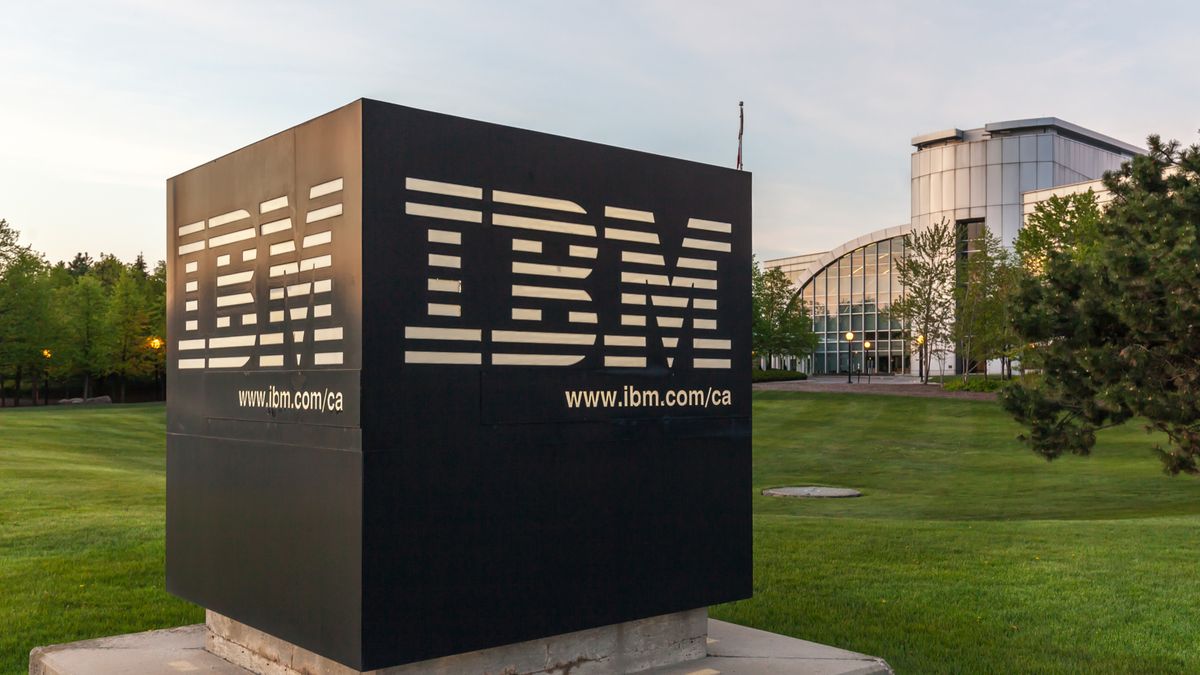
730, 649
629, 647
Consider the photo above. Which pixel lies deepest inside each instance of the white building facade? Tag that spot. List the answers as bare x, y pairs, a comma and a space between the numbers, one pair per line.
987, 177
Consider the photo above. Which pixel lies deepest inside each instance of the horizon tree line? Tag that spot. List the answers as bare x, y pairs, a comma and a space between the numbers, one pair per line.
78, 327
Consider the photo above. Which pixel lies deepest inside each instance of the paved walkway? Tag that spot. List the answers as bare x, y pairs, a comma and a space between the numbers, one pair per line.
888, 386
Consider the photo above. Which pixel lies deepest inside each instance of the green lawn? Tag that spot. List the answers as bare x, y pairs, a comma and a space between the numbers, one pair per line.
81, 527
966, 554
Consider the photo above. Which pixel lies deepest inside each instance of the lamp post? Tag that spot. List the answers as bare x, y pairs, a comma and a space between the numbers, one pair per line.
850, 356
156, 344
866, 359
921, 358
45, 379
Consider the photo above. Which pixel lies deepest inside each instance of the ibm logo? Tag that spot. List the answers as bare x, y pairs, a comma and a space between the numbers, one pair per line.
668, 306
552, 289
299, 305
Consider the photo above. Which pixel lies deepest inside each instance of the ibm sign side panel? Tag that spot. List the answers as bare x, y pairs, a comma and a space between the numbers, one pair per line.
264, 463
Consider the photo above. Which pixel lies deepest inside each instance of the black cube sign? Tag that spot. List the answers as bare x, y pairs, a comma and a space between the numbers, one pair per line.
438, 385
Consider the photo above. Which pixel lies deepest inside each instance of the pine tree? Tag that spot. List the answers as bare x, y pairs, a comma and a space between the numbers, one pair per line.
1116, 324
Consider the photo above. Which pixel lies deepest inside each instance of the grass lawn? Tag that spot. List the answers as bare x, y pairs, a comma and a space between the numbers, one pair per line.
81, 527
966, 554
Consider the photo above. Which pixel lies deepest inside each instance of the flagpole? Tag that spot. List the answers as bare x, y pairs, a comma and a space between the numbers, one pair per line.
741, 128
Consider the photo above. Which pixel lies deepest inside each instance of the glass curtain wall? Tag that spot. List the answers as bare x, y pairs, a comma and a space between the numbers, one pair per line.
853, 293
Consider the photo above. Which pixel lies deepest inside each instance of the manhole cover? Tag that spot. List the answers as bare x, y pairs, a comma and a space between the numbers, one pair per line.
811, 491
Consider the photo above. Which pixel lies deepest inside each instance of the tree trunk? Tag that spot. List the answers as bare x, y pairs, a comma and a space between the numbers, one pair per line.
17, 388
122, 380
87, 386
966, 361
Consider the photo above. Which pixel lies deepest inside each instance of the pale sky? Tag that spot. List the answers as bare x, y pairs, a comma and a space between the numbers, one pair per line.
101, 102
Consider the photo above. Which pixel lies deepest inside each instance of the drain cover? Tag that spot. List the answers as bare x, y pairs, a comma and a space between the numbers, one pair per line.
811, 491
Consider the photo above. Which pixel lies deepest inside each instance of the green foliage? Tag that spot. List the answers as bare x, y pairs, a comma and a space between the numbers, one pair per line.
781, 323
8, 243
927, 273
1117, 330
1060, 225
25, 310
94, 319
978, 384
986, 279
82, 345
127, 326
758, 375
80, 265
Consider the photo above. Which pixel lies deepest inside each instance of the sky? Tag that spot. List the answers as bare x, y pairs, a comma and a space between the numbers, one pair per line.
101, 102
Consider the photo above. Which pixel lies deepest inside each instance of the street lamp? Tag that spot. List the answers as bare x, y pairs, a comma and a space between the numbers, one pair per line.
866, 360
921, 357
850, 364
156, 343
45, 379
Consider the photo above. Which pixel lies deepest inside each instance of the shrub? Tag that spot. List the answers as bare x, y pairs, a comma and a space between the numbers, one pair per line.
974, 384
777, 375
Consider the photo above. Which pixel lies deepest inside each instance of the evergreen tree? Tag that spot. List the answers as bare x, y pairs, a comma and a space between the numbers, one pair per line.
108, 270
80, 265
1116, 325
8, 243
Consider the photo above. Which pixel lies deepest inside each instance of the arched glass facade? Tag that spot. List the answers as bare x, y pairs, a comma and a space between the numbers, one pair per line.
851, 294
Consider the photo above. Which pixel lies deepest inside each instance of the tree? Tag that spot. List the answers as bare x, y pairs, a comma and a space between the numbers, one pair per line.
1067, 224
927, 274
80, 265
8, 243
108, 270
127, 328
82, 340
24, 318
1002, 340
977, 299
781, 325
1116, 327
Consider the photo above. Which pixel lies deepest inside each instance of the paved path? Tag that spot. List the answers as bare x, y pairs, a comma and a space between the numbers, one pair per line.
887, 386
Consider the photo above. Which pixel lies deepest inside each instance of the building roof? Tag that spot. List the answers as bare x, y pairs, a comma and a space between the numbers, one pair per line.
1012, 127
824, 259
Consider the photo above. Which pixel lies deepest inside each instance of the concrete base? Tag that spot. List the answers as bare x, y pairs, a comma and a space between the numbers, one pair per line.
732, 650
630, 647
